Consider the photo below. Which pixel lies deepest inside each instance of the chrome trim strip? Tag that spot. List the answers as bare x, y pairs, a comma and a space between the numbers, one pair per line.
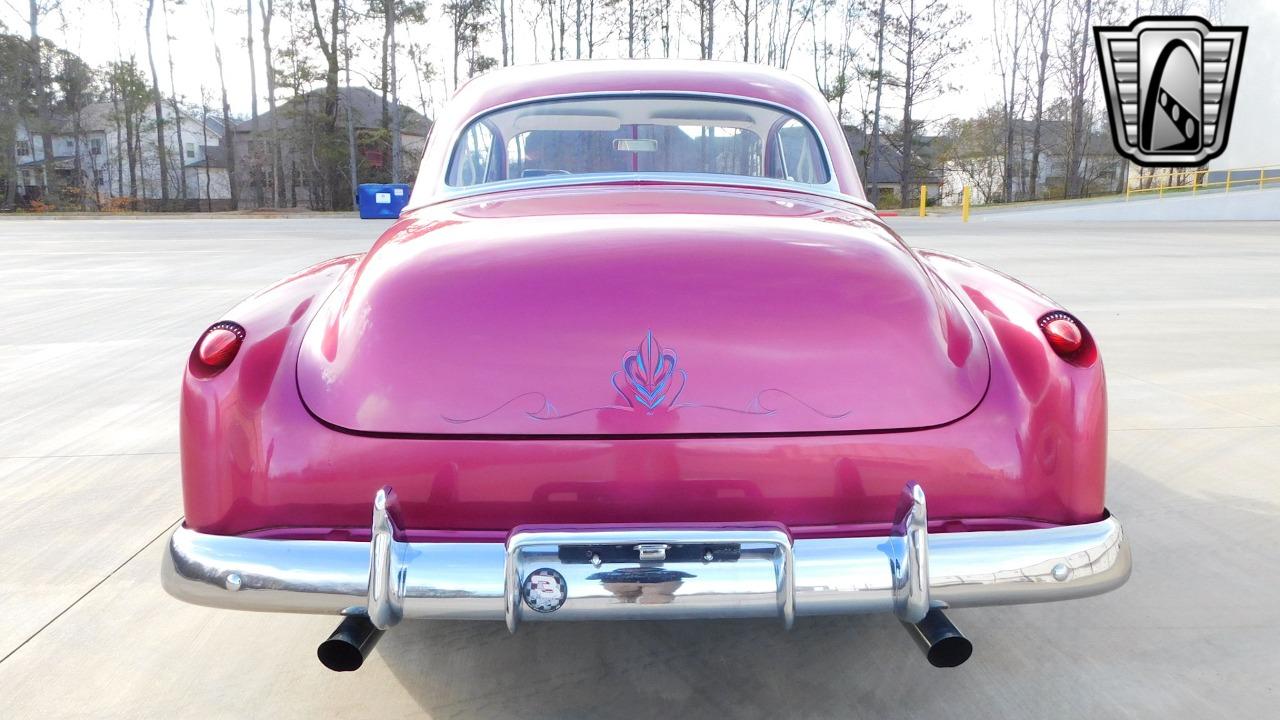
829, 576
711, 180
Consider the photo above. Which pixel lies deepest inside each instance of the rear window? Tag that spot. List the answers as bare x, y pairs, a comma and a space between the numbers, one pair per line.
637, 134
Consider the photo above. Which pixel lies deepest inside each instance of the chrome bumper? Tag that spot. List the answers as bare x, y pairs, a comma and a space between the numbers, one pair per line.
680, 573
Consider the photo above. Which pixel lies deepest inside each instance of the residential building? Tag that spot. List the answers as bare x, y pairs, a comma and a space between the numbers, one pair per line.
297, 120
883, 182
983, 170
92, 168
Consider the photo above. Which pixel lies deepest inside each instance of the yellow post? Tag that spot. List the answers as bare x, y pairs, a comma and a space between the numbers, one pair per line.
1195, 181
1228, 182
964, 205
1163, 181
1262, 173
924, 195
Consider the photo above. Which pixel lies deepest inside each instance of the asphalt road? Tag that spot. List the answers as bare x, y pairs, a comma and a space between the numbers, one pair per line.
98, 316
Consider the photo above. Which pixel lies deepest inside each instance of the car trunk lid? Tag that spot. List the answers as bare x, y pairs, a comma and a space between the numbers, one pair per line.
685, 313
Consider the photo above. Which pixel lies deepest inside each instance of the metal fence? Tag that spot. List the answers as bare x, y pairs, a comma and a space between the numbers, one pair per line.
1195, 181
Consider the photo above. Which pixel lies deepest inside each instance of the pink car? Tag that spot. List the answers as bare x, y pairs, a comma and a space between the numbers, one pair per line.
639, 348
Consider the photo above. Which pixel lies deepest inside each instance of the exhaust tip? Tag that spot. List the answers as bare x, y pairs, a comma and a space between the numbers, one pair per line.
349, 645
942, 642
950, 652
339, 655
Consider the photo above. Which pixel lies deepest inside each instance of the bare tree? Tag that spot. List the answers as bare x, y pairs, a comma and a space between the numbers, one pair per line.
156, 103
631, 28
1042, 19
174, 105
1008, 35
923, 39
330, 50
255, 138
878, 78
467, 19
228, 138
502, 30
1074, 55
670, 16
706, 10
204, 131
43, 112
396, 116
352, 175
266, 9
577, 29
832, 61
787, 19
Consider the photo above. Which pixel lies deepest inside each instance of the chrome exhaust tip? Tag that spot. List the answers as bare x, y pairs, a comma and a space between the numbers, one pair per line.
349, 645
942, 642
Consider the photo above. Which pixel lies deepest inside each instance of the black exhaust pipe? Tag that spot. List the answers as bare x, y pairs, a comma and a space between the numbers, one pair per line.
350, 644
941, 641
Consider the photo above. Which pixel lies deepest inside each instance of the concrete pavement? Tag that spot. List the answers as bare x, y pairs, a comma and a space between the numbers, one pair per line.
98, 316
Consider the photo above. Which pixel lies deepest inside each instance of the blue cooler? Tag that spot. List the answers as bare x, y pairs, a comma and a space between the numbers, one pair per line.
381, 202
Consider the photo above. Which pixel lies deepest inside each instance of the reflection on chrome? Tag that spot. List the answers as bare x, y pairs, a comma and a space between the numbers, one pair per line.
771, 576
643, 585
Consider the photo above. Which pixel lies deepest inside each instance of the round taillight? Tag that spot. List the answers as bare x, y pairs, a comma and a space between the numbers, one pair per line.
219, 345
1063, 334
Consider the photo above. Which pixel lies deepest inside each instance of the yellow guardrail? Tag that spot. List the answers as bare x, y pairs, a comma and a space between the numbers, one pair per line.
1196, 179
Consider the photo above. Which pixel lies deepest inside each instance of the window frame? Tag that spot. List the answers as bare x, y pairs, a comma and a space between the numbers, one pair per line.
769, 142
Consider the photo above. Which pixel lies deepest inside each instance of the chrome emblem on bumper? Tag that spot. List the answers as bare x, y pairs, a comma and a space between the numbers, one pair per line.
545, 590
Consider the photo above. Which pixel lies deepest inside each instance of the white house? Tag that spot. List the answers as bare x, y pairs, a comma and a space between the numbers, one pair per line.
90, 159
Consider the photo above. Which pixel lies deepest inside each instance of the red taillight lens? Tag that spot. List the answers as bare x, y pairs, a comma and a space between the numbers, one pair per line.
219, 345
1063, 333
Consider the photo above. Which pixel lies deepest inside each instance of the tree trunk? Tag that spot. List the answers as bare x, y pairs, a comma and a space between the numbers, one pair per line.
591, 29
44, 112
204, 132
1075, 148
1009, 103
267, 9
1046, 24
255, 177
873, 164
329, 48
502, 24
15, 175
156, 102
130, 134
118, 187
352, 178
173, 102
397, 172
561, 13
908, 133
229, 136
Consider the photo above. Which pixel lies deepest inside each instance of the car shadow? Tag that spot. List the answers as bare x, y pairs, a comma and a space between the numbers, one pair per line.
649, 669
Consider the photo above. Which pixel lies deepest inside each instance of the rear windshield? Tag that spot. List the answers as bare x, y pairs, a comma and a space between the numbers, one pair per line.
637, 134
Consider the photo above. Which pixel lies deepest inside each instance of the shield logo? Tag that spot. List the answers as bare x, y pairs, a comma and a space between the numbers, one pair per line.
1170, 85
